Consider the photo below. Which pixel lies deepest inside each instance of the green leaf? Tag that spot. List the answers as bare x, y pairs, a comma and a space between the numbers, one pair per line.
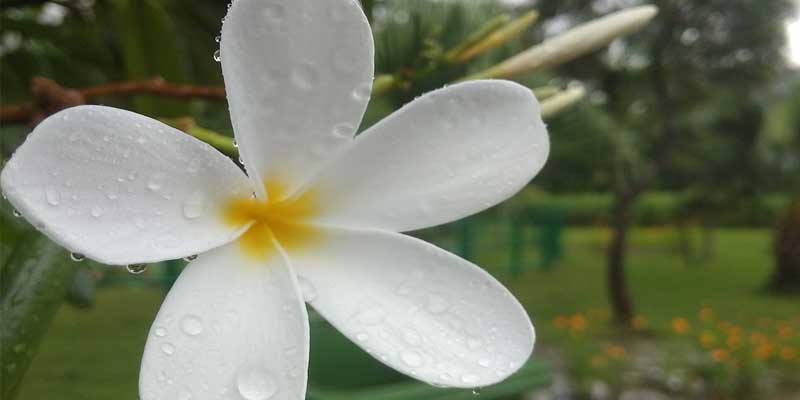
150, 49
34, 276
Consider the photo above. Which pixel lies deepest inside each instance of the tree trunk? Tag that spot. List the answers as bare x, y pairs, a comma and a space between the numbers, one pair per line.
786, 276
621, 304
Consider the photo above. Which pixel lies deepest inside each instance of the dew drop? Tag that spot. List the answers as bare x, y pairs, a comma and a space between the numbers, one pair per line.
363, 92
185, 394
190, 258
217, 56
192, 325
160, 331
274, 13
218, 38
236, 144
96, 212
344, 130
77, 257
305, 77
255, 383
136, 269
168, 349
372, 316
437, 303
469, 378
194, 206
476, 391
412, 359
16, 213
308, 289
52, 195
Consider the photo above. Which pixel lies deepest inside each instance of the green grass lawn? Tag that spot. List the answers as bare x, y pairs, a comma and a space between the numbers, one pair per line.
95, 354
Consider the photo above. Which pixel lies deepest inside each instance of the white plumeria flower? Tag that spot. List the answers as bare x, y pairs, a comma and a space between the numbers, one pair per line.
122, 189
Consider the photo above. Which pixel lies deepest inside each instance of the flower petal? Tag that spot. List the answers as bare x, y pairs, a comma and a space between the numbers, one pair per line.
298, 74
446, 155
417, 308
122, 188
231, 327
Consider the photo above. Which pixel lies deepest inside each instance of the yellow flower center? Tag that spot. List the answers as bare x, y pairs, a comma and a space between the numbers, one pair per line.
279, 217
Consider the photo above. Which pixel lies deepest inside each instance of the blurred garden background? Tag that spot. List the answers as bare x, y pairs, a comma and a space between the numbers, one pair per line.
658, 252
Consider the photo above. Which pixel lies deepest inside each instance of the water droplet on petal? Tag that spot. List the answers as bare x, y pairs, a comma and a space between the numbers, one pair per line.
308, 290
345, 130
470, 378
218, 38
190, 258
53, 196
305, 77
362, 336
194, 206
476, 391
235, 144
168, 349
255, 383
437, 303
96, 212
160, 331
136, 269
363, 92
185, 394
16, 213
77, 257
412, 359
274, 13
192, 325
217, 56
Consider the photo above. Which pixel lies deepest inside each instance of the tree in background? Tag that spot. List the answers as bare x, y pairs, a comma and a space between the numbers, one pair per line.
655, 100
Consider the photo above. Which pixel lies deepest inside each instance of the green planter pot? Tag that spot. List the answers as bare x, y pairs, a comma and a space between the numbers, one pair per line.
341, 371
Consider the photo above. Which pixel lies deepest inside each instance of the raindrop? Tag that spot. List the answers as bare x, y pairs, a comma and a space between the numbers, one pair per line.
192, 325
96, 212
344, 130
372, 316
255, 383
274, 13
437, 304
308, 290
77, 257
168, 349
412, 359
363, 92
217, 56
469, 378
136, 269
218, 38
235, 144
185, 395
53, 196
305, 77
16, 213
160, 331
194, 206
476, 391
190, 258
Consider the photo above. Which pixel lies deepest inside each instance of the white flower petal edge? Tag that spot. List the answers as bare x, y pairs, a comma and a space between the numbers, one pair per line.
230, 328
448, 154
298, 74
121, 188
417, 308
